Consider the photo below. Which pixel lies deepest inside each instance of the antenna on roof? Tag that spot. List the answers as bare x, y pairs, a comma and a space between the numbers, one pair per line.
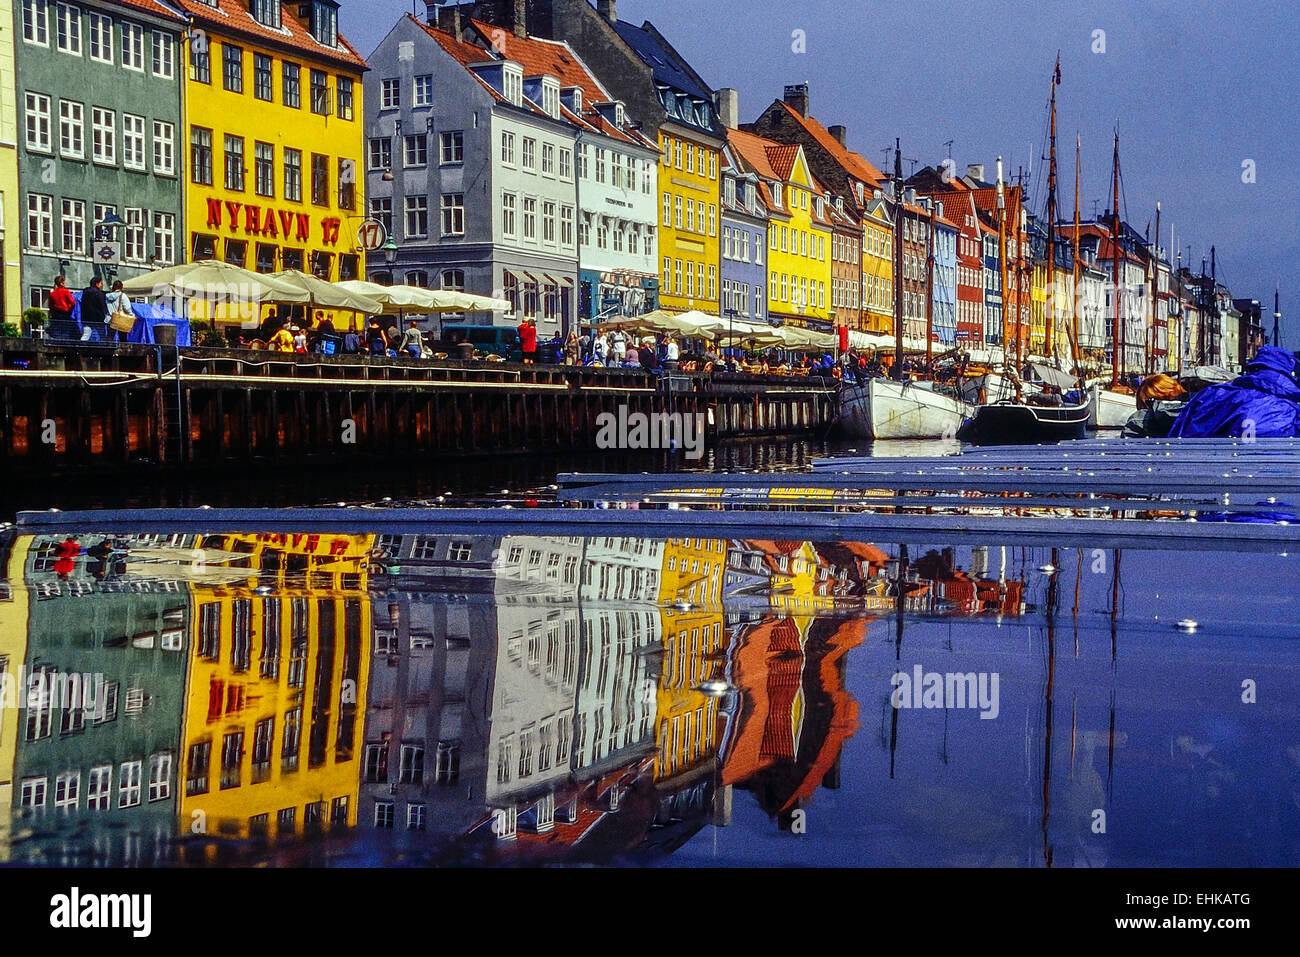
948, 143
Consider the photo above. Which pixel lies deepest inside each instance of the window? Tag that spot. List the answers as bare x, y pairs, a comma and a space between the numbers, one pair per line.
293, 175
320, 180
133, 47
232, 753
160, 776
324, 22
200, 64
548, 159
38, 121
36, 22
509, 205
423, 90
201, 155
600, 165
164, 148
262, 79
507, 148
163, 56
133, 251
453, 214
128, 784
73, 223
101, 37
266, 12
104, 135
72, 129
390, 94
412, 764
383, 814
320, 92
133, 143
34, 791
566, 164
232, 67
291, 85
452, 146
67, 35
417, 217
530, 218
415, 816
99, 786
566, 226
164, 237
346, 99
530, 153
548, 223
381, 153
264, 169
415, 150
382, 210
234, 160
347, 183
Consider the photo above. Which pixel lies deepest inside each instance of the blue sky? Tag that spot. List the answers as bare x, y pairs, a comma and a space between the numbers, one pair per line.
1196, 89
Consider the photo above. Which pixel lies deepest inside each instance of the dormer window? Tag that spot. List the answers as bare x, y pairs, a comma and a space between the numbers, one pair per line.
551, 96
266, 12
776, 195
512, 84
729, 188
573, 99
325, 22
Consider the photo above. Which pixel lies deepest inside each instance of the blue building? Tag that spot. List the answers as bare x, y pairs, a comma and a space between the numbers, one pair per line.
992, 285
943, 288
742, 236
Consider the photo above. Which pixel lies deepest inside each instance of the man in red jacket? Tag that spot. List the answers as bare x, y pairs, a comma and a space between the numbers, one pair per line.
528, 341
61, 305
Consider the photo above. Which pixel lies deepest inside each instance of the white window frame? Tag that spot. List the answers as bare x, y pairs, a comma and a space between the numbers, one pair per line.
164, 148
101, 36
37, 121
132, 47
70, 783
134, 142
72, 129
69, 14
160, 776
73, 214
103, 136
128, 784
40, 214
164, 246
36, 22
162, 62
99, 788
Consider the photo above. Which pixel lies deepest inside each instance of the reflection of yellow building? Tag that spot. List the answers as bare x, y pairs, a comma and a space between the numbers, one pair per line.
13, 653
694, 633
277, 686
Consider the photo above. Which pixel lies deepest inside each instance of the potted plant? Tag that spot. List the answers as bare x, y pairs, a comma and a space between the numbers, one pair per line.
9, 330
34, 320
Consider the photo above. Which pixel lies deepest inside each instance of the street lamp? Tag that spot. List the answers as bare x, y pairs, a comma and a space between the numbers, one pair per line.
390, 251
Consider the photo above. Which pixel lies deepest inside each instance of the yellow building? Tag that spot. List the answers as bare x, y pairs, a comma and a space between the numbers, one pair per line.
877, 269
277, 688
10, 224
13, 654
688, 235
694, 633
273, 113
799, 229
1038, 308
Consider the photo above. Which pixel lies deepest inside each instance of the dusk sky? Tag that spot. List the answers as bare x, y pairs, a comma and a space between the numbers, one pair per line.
1196, 88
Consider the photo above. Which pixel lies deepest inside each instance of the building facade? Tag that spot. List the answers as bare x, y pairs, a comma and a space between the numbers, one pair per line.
11, 291
743, 244
275, 138
98, 93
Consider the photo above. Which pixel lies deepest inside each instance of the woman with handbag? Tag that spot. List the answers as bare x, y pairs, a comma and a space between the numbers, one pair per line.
121, 317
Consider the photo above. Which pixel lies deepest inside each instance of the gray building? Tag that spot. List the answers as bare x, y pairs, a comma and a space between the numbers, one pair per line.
471, 160
99, 108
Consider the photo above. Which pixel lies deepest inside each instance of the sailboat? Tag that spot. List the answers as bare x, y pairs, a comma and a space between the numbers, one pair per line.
899, 407
1017, 421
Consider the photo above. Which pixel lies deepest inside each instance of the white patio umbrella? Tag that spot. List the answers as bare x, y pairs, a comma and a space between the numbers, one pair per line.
329, 295
400, 299
217, 281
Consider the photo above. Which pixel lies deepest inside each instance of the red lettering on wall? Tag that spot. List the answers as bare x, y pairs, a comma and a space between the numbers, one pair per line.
286, 223
214, 214
329, 227
252, 220
233, 209
268, 223
303, 222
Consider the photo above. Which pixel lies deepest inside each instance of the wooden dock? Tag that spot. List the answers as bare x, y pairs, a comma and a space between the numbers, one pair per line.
89, 407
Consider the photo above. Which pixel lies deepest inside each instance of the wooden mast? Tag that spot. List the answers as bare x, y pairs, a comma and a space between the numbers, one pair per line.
1117, 335
898, 260
1020, 277
1050, 306
1155, 297
1002, 265
1074, 258
929, 296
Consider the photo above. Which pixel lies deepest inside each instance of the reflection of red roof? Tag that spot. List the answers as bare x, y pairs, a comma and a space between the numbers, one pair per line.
233, 17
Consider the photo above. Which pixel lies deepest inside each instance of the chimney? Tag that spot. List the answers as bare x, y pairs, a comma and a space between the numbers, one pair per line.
518, 14
608, 9
797, 98
975, 171
840, 133
446, 19
727, 102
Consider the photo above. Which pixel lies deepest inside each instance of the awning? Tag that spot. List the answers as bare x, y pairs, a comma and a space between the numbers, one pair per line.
1054, 377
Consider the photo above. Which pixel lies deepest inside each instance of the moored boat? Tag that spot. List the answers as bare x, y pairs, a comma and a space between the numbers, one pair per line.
1019, 423
1108, 409
888, 409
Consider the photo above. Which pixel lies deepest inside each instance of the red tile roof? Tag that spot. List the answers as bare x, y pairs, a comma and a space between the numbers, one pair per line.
752, 149
853, 163
154, 7
233, 16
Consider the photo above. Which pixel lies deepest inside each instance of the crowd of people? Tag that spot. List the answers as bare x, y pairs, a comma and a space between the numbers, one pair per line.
97, 310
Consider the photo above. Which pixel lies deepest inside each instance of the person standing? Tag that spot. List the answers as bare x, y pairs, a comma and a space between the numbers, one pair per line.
61, 305
412, 341
94, 308
118, 301
376, 341
528, 341
671, 353
572, 350
618, 345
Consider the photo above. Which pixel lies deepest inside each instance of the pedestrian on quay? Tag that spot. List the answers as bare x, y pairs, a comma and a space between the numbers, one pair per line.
618, 345
118, 302
528, 341
572, 350
299, 339
646, 354
600, 348
94, 308
282, 341
671, 353
376, 341
61, 305
412, 341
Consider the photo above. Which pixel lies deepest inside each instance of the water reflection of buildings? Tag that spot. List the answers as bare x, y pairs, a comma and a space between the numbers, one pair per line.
277, 677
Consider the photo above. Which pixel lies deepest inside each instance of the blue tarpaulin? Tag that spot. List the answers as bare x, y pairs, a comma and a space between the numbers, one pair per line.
1264, 402
147, 316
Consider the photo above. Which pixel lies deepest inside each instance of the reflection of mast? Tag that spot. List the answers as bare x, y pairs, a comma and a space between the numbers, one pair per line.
1051, 228
1047, 717
898, 648
1114, 652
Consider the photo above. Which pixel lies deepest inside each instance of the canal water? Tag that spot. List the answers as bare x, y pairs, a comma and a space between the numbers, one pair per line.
181, 699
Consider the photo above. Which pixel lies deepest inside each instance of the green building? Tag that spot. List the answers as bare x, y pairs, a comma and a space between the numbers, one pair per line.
95, 775
100, 137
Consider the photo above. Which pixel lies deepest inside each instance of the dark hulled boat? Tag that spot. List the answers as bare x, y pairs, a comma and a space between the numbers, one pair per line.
1016, 423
